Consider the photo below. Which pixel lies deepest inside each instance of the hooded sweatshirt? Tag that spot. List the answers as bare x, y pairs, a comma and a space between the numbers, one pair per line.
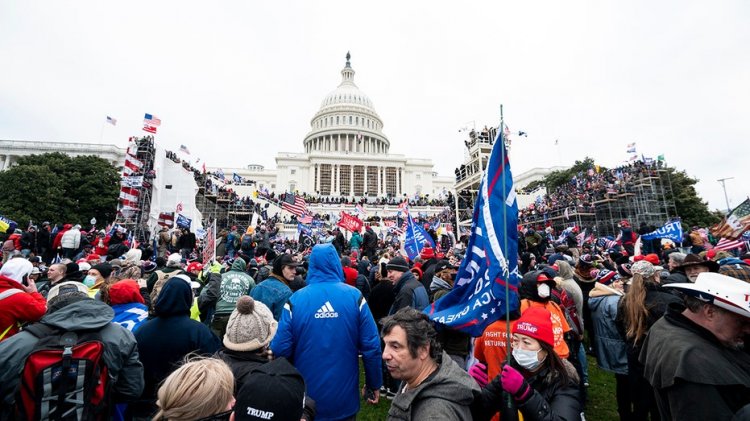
18, 306
446, 394
120, 355
323, 329
234, 284
166, 339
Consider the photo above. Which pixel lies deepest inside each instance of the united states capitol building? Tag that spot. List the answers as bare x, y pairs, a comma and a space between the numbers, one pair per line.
346, 153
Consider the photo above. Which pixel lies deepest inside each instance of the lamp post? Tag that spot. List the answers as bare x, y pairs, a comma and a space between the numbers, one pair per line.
723, 186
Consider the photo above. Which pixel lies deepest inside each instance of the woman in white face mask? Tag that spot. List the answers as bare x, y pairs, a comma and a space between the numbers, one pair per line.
541, 385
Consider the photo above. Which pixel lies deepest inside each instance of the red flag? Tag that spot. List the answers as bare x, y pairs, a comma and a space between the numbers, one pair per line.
349, 222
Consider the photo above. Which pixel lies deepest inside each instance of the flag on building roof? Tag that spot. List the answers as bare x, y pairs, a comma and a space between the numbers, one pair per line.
150, 129
150, 120
112, 121
631, 150
631, 145
490, 268
184, 149
294, 204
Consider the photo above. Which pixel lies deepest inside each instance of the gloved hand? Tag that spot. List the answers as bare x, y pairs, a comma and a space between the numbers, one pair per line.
479, 372
514, 383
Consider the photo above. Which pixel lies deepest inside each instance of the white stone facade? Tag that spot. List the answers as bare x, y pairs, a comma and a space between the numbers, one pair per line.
10, 150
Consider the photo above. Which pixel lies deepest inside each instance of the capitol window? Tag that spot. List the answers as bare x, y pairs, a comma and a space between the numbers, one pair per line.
337, 120
350, 119
356, 121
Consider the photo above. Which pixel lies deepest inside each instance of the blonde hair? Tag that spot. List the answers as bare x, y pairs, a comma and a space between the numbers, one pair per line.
634, 303
199, 388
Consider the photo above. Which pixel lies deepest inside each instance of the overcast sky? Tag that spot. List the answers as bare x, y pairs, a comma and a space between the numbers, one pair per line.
238, 81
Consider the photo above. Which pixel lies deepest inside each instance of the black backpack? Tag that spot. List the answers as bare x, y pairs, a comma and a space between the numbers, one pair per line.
64, 377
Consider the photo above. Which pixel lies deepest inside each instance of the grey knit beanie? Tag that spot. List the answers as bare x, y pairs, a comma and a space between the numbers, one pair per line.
251, 326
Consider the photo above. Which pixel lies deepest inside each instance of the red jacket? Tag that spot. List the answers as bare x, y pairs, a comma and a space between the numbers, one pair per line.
58, 237
20, 307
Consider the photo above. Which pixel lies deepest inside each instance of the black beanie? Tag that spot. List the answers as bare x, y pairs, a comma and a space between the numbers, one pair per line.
281, 261
104, 268
398, 263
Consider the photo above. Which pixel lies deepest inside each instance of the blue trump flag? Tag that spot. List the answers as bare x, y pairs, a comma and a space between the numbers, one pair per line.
491, 262
183, 222
304, 229
415, 239
672, 231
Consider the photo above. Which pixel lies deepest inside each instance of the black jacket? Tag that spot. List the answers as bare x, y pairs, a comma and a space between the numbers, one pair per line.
693, 375
551, 400
241, 363
657, 301
166, 339
370, 242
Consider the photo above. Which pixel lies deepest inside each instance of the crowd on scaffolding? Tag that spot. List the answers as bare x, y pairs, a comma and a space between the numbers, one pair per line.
584, 189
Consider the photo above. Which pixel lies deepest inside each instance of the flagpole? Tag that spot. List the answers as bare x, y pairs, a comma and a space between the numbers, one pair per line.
505, 247
101, 134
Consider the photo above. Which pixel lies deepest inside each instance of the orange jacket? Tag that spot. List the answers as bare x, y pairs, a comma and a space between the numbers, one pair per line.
559, 324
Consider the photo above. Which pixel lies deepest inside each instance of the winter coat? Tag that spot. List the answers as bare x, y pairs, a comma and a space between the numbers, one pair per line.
551, 400
58, 237
323, 330
447, 394
657, 301
350, 276
71, 239
409, 292
454, 342
234, 284
610, 349
370, 242
339, 242
274, 293
381, 299
18, 307
693, 375
166, 339
241, 363
120, 351
356, 241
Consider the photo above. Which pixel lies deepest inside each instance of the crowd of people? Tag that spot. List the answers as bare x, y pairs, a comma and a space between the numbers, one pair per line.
584, 189
278, 330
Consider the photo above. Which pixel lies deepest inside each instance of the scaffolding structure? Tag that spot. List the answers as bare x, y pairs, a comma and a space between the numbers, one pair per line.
648, 199
135, 218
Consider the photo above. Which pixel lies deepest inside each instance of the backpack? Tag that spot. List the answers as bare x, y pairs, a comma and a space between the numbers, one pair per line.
160, 281
247, 243
64, 377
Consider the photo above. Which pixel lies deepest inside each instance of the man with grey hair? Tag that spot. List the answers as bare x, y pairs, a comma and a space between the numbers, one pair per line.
434, 386
693, 355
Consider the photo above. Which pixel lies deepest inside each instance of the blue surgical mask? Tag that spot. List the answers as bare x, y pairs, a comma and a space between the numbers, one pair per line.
89, 281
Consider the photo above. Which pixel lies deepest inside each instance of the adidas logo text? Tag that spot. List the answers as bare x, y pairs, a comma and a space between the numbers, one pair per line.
326, 311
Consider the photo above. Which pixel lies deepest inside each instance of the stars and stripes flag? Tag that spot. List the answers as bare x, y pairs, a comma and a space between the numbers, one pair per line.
150, 129
184, 149
306, 218
490, 269
294, 204
132, 164
726, 244
112, 121
735, 223
151, 120
166, 219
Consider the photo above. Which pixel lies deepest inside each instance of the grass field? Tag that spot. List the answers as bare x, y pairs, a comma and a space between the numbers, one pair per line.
601, 405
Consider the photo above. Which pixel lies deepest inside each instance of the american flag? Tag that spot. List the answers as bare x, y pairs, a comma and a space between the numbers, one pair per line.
166, 219
150, 129
726, 244
306, 218
150, 120
112, 121
294, 204
184, 149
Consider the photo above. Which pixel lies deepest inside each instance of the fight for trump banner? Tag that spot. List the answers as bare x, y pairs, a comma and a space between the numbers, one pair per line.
349, 222
672, 231
491, 264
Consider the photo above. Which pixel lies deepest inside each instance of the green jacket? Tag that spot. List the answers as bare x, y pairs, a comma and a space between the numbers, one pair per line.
234, 284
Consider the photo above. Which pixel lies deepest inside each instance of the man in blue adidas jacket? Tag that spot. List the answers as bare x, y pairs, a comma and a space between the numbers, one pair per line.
323, 329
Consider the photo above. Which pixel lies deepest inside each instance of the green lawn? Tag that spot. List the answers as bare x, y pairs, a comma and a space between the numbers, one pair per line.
601, 406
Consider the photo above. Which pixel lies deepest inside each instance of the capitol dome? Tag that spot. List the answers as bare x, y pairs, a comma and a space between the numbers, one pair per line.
346, 121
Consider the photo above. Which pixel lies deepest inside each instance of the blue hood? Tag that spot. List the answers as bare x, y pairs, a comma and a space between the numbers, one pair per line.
174, 299
325, 265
